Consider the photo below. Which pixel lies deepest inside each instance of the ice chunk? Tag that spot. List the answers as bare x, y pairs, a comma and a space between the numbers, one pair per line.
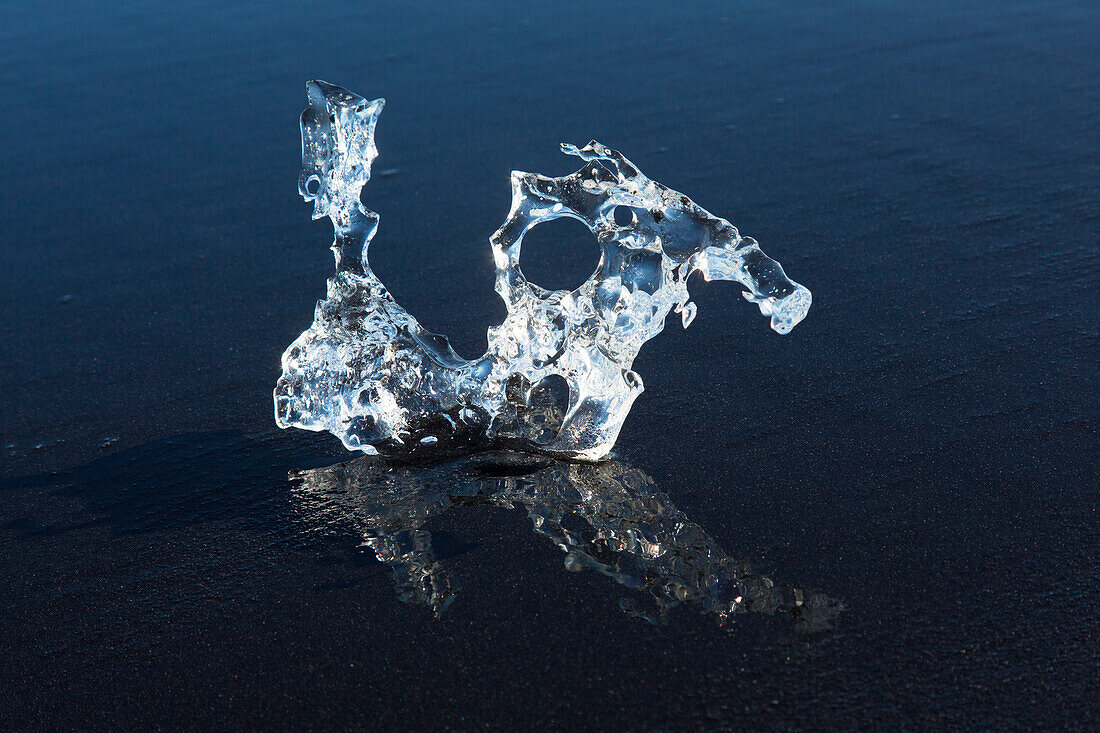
608, 517
557, 375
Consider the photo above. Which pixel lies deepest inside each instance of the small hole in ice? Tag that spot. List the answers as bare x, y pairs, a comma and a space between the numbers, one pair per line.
313, 185
545, 408
624, 216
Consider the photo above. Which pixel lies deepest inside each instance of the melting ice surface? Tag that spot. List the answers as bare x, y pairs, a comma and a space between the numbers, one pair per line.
607, 517
556, 377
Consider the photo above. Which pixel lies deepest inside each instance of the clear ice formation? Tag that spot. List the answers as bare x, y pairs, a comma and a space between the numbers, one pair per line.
607, 517
557, 375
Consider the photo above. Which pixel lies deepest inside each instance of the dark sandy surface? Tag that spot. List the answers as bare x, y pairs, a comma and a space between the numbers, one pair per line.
922, 449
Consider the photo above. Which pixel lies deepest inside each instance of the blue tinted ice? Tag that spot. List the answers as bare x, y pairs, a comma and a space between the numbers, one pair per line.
557, 375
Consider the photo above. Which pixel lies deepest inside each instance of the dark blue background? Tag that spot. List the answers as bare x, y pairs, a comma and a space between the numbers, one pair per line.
923, 447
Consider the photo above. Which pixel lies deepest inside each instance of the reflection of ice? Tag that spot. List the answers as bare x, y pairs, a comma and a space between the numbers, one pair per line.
370, 374
607, 517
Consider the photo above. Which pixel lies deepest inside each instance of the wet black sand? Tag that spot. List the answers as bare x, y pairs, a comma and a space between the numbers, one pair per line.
922, 449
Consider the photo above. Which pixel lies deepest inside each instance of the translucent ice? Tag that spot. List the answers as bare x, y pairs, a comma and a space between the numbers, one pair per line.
556, 377
606, 517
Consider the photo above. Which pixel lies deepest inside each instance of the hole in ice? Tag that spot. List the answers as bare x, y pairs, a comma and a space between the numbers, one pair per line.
624, 216
363, 430
313, 185
559, 254
547, 403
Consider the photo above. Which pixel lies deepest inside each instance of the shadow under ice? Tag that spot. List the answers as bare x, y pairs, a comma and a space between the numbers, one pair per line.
607, 517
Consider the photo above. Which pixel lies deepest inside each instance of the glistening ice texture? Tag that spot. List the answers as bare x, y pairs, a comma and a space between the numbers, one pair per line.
556, 377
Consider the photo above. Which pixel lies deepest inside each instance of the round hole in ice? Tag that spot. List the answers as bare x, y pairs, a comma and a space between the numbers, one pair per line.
624, 216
